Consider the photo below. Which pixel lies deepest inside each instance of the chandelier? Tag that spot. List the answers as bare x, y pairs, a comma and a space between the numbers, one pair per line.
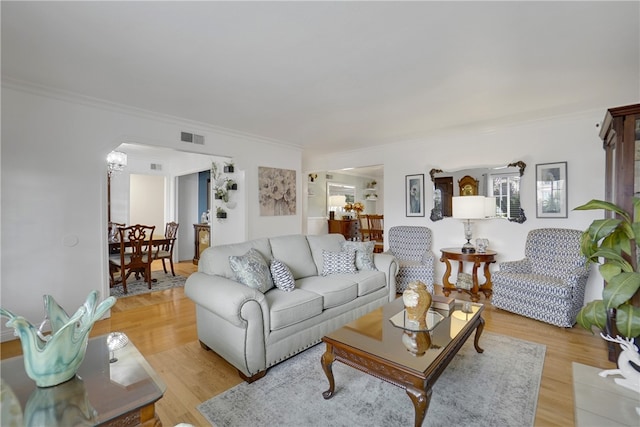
116, 161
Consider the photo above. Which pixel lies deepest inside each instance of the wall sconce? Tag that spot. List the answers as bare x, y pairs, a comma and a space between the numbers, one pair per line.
468, 208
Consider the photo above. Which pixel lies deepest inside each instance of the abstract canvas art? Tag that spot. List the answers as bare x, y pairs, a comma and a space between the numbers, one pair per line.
277, 191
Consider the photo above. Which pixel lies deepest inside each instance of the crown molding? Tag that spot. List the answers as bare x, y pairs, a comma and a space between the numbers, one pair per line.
98, 103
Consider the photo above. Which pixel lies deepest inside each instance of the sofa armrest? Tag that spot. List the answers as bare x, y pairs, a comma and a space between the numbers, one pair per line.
388, 264
519, 266
224, 297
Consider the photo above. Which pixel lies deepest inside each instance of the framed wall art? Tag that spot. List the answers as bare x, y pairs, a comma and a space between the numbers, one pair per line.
277, 191
414, 195
551, 190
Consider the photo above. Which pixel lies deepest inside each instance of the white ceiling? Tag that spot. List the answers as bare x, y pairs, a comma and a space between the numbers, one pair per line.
332, 75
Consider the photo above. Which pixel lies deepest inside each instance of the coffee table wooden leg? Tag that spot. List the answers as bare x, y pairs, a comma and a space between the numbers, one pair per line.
476, 340
327, 361
420, 399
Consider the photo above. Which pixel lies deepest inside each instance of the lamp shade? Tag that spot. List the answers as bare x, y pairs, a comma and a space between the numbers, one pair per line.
490, 206
469, 207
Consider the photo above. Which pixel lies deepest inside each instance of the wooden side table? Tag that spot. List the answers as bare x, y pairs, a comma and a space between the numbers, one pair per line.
455, 254
202, 239
349, 228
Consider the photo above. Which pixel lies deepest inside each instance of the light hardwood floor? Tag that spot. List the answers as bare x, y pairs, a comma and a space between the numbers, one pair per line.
162, 327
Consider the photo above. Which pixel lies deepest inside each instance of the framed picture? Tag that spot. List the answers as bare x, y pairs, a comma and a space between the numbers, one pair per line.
414, 193
551, 190
277, 191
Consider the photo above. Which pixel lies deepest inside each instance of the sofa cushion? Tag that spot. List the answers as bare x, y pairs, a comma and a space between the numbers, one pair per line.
288, 308
252, 270
370, 281
282, 277
364, 253
338, 262
335, 290
328, 242
294, 251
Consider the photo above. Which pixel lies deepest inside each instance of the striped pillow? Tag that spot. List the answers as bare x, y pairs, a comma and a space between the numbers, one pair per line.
282, 276
338, 262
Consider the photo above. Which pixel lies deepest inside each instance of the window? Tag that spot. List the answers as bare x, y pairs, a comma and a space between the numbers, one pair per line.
506, 189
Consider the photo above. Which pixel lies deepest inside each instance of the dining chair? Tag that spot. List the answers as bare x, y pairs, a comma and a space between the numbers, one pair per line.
376, 229
364, 227
136, 254
165, 251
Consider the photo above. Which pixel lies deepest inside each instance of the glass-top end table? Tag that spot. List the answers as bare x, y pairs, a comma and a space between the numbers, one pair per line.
102, 393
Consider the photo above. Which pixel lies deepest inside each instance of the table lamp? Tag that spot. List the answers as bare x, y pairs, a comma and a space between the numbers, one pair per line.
468, 208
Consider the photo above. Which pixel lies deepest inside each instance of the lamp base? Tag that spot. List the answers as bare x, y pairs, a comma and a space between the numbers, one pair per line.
468, 248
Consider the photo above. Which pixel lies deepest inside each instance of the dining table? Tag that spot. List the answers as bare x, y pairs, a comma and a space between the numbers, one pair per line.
156, 240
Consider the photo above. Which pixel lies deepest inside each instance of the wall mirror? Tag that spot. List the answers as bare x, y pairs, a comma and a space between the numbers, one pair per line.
501, 182
338, 195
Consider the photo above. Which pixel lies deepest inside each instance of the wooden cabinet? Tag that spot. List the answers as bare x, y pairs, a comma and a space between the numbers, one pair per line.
201, 239
349, 228
620, 135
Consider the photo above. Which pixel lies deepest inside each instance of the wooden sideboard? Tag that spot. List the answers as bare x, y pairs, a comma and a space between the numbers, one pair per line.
349, 228
201, 239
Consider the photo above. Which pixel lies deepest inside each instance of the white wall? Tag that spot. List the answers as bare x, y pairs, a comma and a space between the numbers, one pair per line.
53, 179
573, 139
146, 199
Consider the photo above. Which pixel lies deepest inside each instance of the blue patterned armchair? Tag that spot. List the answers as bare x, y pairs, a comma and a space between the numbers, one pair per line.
549, 283
412, 248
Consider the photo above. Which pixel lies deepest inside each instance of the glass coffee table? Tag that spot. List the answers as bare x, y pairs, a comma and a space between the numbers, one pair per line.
102, 393
378, 345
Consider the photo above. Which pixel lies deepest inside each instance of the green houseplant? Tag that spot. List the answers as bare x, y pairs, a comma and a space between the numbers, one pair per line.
611, 242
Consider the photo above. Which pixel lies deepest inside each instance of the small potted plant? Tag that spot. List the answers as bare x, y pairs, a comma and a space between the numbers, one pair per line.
231, 184
221, 213
229, 167
222, 194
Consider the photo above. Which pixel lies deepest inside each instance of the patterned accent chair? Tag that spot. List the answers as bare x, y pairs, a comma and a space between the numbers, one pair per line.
411, 246
549, 283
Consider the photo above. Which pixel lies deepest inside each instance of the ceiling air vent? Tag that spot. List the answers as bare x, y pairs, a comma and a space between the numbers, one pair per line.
156, 167
191, 138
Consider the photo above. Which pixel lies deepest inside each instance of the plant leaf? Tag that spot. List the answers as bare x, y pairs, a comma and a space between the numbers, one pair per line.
628, 320
592, 314
609, 270
607, 206
620, 289
613, 257
601, 228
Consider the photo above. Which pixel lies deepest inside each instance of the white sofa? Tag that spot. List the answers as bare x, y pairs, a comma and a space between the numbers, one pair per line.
253, 330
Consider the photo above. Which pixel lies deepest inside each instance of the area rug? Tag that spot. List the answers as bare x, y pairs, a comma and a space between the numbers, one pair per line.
496, 388
137, 287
